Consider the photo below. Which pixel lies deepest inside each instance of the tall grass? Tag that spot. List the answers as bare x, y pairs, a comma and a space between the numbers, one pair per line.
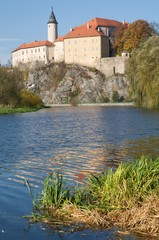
124, 189
54, 192
127, 186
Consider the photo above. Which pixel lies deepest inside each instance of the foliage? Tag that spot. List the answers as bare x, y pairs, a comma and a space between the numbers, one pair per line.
57, 73
104, 99
118, 44
126, 197
30, 99
54, 192
123, 188
136, 33
73, 96
127, 186
11, 83
10, 110
142, 71
12, 91
129, 38
115, 96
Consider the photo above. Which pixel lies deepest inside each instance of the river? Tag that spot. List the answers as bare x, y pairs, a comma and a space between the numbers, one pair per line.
75, 141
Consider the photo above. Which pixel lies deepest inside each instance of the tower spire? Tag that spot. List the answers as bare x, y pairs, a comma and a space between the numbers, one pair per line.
52, 27
52, 18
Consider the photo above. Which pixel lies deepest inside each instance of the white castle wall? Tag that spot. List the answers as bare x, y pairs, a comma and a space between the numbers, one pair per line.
112, 65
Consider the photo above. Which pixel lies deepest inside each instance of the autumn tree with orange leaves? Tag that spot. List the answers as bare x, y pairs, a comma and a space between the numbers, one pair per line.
130, 36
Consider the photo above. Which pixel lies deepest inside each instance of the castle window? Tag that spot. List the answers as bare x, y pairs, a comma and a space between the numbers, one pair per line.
39, 50
22, 52
32, 51
26, 51
35, 50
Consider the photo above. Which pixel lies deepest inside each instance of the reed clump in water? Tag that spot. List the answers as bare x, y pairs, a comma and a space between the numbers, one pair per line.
126, 197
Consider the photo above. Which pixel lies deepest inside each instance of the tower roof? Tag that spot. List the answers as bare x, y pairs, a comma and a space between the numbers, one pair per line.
52, 18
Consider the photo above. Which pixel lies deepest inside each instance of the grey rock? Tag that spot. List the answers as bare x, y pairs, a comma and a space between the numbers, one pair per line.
77, 84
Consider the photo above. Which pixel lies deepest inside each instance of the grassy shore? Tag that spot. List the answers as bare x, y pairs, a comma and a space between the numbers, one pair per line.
10, 110
127, 198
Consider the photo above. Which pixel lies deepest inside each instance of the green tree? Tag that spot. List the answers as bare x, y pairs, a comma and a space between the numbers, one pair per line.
12, 89
11, 83
142, 71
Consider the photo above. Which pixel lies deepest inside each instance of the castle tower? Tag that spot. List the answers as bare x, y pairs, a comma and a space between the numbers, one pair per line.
52, 27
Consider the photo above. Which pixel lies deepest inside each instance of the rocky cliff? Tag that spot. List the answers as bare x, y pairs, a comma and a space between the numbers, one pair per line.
60, 83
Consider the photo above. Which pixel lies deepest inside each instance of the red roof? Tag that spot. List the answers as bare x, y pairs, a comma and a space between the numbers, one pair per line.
90, 28
95, 22
59, 39
34, 44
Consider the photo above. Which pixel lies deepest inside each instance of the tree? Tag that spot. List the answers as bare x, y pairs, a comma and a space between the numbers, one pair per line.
136, 33
129, 38
118, 44
142, 71
11, 84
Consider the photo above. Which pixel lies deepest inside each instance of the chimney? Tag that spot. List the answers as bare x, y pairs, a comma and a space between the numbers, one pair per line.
88, 25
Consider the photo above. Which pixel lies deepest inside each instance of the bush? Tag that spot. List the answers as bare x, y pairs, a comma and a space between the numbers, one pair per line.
30, 99
105, 100
11, 83
115, 96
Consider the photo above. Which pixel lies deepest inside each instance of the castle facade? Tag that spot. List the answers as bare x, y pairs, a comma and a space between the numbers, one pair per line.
84, 45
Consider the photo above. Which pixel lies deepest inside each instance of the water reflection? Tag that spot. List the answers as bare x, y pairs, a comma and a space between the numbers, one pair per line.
74, 141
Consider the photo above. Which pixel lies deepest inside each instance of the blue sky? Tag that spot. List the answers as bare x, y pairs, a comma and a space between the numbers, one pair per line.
26, 21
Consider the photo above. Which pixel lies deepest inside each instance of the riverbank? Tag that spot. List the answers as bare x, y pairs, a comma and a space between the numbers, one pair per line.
126, 198
11, 110
92, 104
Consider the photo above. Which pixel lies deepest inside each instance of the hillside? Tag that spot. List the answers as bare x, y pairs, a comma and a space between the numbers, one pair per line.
61, 83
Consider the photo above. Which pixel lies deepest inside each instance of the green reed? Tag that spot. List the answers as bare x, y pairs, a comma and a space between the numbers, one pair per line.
123, 188
127, 186
54, 192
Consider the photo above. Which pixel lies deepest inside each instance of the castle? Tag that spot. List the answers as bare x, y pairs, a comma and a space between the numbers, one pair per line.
86, 45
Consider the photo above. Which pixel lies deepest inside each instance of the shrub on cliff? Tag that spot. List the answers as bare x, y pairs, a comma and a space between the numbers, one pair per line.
30, 99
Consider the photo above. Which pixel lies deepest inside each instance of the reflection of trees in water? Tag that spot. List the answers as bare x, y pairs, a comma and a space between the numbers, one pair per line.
77, 163
146, 146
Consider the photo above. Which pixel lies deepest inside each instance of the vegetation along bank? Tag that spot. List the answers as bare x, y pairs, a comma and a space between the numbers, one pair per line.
127, 197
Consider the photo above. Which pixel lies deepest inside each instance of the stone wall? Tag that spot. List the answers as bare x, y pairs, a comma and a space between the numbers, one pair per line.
111, 66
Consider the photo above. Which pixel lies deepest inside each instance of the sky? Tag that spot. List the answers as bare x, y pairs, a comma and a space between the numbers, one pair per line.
26, 21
